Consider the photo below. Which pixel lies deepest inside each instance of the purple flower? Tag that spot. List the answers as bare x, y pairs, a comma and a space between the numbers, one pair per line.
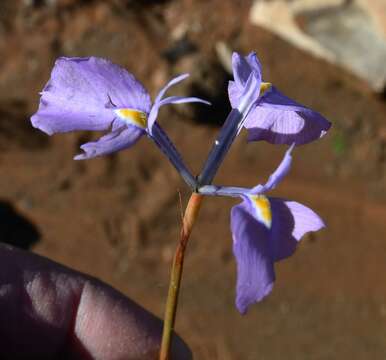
95, 94
264, 230
274, 117
264, 111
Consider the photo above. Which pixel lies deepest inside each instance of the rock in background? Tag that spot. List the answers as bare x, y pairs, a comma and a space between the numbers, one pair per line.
349, 33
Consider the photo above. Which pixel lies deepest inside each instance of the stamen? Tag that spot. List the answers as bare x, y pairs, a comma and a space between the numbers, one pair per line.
264, 87
134, 117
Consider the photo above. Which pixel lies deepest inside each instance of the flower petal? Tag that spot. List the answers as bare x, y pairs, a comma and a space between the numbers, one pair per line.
277, 176
274, 118
305, 219
81, 93
244, 66
290, 221
233, 191
182, 100
234, 93
172, 82
112, 83
248, 98
170, 100
280, 120
255, 272
265, 230
118, 139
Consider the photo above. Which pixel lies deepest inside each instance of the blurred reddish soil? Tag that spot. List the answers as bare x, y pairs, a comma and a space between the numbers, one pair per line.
117, 217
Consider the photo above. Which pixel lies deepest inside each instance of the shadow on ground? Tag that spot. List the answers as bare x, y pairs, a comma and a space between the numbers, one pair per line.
15, 229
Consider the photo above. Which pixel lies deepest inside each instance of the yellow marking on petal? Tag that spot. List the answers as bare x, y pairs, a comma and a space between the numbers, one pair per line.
135, 117
263, 209
264, 87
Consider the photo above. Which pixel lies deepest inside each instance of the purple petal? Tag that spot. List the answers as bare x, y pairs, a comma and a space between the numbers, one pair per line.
255, 272
290, 221
254, 63
248, 98
234, 94
280, 120
233, 191
182, 100
118, 139
258, 242
277, 176
172, 82
81, 93
274, 99
110, 82
170, 100
158, 102
244, 66
305, 219
275, 118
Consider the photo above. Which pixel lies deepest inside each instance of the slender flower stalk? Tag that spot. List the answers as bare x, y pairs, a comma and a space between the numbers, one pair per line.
190, 216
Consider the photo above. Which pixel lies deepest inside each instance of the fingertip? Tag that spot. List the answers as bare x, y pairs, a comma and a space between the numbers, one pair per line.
108, 325
51, 309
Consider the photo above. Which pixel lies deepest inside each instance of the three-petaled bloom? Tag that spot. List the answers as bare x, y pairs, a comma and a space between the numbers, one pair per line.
274, 117
264, 230
264, 112
94, 94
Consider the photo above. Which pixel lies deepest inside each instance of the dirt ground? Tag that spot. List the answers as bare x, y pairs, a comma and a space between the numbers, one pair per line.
117, 217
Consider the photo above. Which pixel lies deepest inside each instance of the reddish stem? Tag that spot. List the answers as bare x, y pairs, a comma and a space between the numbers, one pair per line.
190, 216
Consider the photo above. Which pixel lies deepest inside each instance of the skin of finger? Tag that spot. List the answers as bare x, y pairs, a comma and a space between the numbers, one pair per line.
50, 311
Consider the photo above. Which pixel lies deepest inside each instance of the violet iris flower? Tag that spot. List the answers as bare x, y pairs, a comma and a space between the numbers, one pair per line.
95, 94
274, 117
265, 113
264, 230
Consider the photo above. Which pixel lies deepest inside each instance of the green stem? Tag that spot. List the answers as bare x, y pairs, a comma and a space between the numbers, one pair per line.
190, 216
